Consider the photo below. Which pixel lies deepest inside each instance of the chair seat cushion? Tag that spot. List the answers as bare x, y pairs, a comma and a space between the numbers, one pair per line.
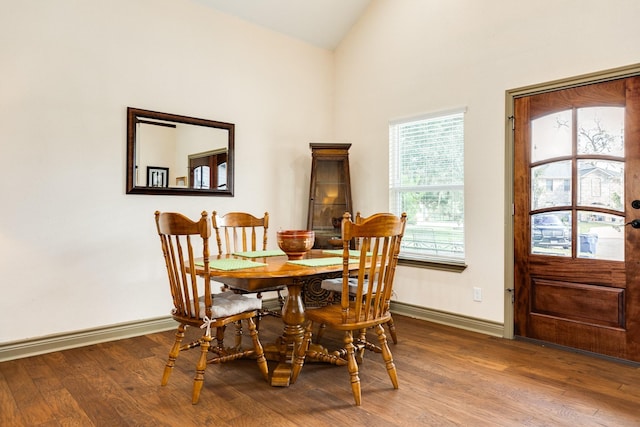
228, 303
335, 285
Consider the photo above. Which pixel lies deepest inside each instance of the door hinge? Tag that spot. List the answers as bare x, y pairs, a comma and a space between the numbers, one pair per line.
513, 122
513, 294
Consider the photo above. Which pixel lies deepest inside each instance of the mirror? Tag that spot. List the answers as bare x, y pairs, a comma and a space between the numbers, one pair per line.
178, 155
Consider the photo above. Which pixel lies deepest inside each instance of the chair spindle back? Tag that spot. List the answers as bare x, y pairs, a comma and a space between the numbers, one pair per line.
241, 232
379, 238
181, 240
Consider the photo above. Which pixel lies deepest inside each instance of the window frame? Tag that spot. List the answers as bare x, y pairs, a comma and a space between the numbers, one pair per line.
413, 259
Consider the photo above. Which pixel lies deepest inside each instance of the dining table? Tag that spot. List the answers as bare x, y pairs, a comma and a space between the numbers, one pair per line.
256, 270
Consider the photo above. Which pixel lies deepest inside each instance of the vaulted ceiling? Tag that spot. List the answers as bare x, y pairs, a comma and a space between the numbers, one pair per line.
323, 23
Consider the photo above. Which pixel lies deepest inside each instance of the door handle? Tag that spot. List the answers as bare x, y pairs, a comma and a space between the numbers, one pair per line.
635, 204
634, 223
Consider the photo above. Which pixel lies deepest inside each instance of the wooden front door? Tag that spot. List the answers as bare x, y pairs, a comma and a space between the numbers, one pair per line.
576, 193
208, 170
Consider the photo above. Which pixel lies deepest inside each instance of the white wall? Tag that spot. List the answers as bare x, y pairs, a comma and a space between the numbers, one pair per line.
407, 57
154, 145
77, 252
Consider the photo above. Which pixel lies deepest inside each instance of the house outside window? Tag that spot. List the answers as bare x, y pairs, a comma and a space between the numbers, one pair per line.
598, 184
426, 180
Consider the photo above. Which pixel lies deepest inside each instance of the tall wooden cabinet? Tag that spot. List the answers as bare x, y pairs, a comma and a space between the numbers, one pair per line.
330, 193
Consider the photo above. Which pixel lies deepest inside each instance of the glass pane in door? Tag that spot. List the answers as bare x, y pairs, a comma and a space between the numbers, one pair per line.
551, 185
201, 177
222, 176
601, 131
551, 136
601, 236
551, 233
601, 184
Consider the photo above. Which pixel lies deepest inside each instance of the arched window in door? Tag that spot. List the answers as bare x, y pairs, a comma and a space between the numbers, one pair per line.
577, 182
208, 169
201, 177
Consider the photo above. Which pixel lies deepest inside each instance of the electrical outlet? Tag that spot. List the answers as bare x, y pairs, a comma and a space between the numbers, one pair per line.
477, 294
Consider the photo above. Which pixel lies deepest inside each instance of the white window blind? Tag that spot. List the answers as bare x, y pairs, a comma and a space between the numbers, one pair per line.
427, 182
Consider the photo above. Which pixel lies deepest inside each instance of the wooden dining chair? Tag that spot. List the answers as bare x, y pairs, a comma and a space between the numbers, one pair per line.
380, 236
242, 232
334, 286
183, 242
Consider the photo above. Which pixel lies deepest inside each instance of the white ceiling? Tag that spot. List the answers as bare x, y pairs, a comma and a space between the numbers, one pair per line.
322, 23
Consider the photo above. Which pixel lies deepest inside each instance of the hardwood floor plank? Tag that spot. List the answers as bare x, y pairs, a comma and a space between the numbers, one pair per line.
31, 404
65, 409
82, 377
447, 376
9, 412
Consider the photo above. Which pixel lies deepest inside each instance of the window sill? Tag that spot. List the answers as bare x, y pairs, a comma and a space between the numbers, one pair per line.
434, 264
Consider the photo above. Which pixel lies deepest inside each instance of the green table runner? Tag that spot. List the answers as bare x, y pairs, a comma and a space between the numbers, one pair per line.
319, 262
352, 252
259, 254
231, 264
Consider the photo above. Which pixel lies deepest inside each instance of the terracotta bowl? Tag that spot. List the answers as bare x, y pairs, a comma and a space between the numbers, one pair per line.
295, 243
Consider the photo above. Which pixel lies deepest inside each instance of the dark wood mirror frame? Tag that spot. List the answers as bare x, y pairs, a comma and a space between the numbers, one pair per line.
136, 115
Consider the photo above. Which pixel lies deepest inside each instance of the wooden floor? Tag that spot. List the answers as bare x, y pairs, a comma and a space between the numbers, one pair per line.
448, 377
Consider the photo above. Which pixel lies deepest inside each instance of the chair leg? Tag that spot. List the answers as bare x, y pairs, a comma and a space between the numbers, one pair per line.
300, 353
362, 339
259, 315
173, 355
238, 335
352, 366
265, 312
259, 351
386, 355
281, 299
320, 333
220, 338
198, 381
392, 330
330, 300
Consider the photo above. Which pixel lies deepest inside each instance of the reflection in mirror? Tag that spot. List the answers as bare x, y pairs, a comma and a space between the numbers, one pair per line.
178, 155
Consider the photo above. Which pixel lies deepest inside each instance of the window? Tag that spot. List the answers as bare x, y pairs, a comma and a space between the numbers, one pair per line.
209, 169
426, 180
201, 177
596, 187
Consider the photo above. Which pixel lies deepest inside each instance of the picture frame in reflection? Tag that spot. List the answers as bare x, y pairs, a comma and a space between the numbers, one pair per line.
157, 176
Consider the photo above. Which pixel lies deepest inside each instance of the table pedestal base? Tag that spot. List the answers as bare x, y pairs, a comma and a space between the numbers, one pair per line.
281, 376
282, 350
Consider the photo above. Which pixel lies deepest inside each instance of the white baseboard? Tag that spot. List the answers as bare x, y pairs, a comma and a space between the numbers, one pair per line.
51, 343
450, 319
